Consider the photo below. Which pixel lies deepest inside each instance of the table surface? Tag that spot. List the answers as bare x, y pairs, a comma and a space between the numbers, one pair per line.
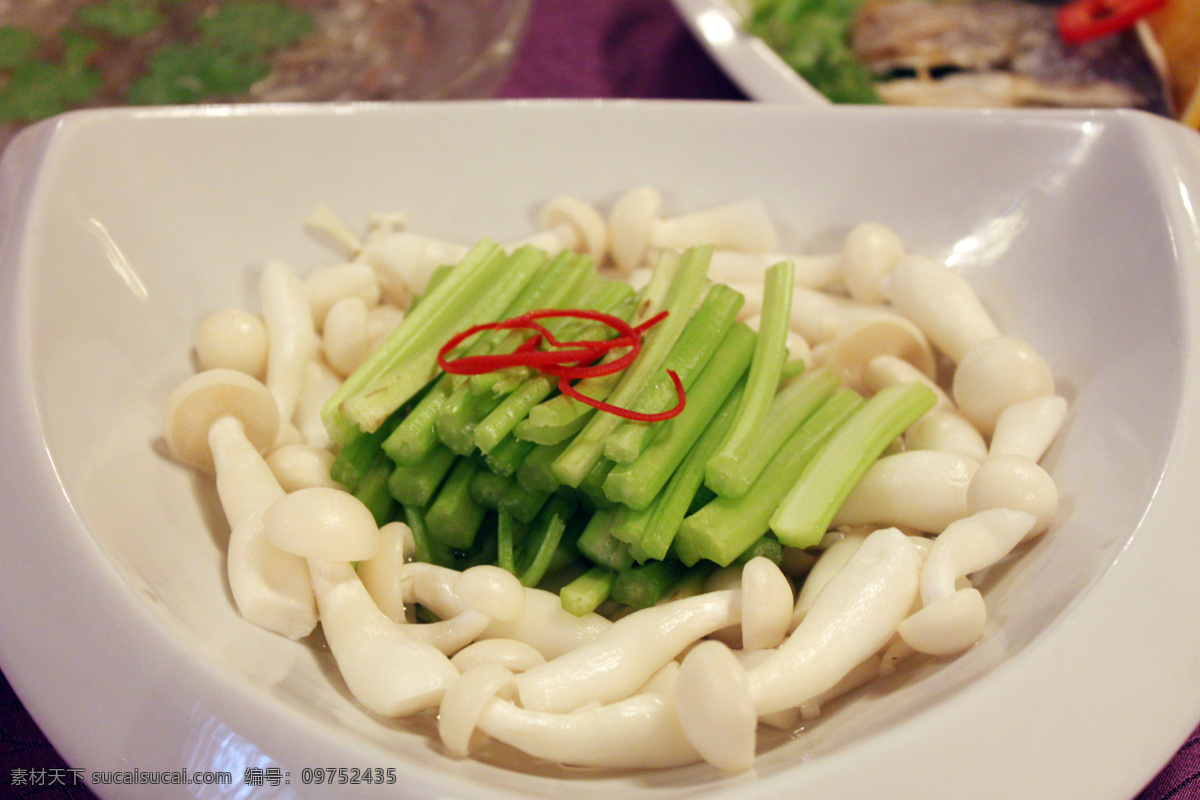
571, 49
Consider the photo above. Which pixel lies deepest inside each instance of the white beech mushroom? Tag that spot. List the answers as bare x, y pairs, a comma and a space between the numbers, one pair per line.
635, 228
952, 619
543, 624
382, 573
818, 271
345, 340
714, 706
1028, 427
318, 385
869, 252
941, 427
219, 421
568, 223
232, 338
387, 669
941, 303
767, 604
996, 373
290, 334
299, 466
827, 565
325, 286
329, 226
323, 523
642, 731
853, 617
1013, 481
921, 489
511, 654
404, 261
627, 654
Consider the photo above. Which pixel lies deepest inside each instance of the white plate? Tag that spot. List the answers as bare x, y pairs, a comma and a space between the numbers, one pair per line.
747, 60
121, 228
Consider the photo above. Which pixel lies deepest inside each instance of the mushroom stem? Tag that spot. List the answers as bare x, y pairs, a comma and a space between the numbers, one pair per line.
922, 489
940, 302
389, 671
627, 654
290, 334
270, 587
642, 731
853, 617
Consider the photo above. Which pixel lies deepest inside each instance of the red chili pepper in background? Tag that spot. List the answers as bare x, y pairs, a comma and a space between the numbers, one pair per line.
1083, 20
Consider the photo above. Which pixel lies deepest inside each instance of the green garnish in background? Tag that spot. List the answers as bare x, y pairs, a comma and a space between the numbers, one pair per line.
813, 37
224, 54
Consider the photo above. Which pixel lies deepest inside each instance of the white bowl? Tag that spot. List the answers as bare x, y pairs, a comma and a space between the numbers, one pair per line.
122, 228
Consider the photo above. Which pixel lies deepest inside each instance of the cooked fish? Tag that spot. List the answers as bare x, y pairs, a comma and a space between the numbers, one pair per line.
997, 53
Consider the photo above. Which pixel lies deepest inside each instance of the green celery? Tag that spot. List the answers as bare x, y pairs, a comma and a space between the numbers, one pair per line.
454, 517
691, 352
430, 324
372, 490
789, 408
358, 454
688, 290
725, 527
428, 549
643, 585
598, 543
488, 489
637, 484
535, 473
415, 484
769, 354
389, 391
506, 457
522, 503
538, 550
807, 509
585, 594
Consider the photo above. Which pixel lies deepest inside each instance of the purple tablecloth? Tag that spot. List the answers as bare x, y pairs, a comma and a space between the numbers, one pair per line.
572, 48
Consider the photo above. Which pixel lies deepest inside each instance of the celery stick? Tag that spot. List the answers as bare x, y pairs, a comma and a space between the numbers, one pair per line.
584, 594
598, 543
612, 298
438, 275
637, 484
428, 550
509, 535
372, 490
687, 292
522, 503
540, 545
592, 486
725, 527
488, 489
374, 402
789, 408
358, 454
431, 323
643, 585
453, 517
535, 473
769, 354
416, 484
456, 421
806, 510
415, 437
651, 530
691, 352
691, 584
508, 454
563, 413
767, 546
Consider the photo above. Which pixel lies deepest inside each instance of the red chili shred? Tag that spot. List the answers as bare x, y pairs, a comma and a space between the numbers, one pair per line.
566, 361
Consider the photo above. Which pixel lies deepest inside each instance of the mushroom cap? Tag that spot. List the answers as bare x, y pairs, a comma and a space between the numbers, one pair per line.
629, 225
767, 604
323, 523
207, 396
583, 218
995, 374
235, 339
491, 590
870, 251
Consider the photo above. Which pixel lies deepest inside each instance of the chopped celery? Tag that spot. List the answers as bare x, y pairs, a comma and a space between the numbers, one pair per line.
723, 529
806, 510
637, 484
769, 354
416, 484
454, 517
643, 585
585, 594
687, 292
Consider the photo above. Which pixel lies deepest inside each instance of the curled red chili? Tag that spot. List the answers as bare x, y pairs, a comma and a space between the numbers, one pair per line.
566, 361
